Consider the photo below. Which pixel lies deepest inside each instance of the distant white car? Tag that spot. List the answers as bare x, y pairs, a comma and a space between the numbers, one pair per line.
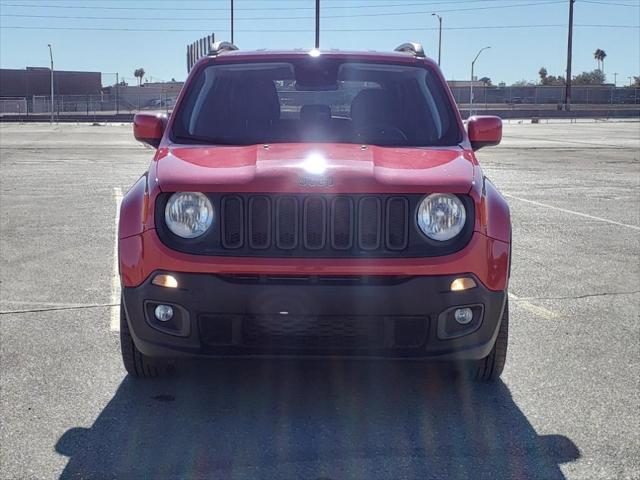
160, 103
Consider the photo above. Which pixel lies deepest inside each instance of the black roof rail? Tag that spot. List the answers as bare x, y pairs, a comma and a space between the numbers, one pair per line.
412, 48
219, 47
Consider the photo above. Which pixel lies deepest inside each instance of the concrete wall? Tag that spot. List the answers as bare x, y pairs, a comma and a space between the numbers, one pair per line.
30, 82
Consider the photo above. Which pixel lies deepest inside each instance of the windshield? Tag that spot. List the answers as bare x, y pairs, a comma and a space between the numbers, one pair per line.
316, 100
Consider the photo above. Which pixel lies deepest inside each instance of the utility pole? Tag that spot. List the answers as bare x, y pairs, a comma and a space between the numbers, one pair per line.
439, 36
567, 92
231, 21
615, 79
471, 90
117, 106
317, 23
51, 57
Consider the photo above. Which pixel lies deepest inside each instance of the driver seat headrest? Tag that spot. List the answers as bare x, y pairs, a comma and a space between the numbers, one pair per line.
373, 106
257, 100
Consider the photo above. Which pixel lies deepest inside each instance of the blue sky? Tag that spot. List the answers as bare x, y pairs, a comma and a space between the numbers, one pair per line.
518, 51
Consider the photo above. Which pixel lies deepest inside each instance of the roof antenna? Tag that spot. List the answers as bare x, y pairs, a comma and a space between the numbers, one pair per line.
317, 23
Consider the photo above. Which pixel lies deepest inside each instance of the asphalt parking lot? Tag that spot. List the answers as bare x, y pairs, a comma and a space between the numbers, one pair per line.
568, 405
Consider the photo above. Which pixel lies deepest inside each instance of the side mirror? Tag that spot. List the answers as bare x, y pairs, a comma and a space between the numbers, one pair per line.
149, 127
484, 131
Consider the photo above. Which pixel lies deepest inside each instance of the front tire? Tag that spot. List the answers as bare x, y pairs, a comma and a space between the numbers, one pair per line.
135, 362
490, 368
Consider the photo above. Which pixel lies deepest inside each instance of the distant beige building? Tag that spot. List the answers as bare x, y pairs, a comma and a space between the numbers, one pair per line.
147, 95
464, 83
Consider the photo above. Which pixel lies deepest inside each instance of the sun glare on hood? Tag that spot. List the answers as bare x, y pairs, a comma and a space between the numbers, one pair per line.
315, 164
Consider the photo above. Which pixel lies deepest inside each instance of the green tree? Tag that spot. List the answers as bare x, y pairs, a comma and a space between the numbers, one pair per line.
523, 83
486, 81
546, 79
596, 77
543, 75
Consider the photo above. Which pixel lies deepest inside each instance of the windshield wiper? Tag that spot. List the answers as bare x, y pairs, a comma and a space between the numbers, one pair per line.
200, 140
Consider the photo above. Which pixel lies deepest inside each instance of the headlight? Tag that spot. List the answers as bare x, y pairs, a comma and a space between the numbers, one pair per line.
441, 216
188, 214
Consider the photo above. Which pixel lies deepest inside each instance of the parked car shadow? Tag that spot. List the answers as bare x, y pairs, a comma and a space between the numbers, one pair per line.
312, 419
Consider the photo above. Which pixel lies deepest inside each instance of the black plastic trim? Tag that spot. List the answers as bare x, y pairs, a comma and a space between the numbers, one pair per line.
217, 296
442, 319
323, 222
296, 227
406, 223
181, 321
333, 223
223, 214
250, 214
378, 207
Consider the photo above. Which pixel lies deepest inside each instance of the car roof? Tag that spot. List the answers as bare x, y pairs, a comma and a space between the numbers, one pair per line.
330, 53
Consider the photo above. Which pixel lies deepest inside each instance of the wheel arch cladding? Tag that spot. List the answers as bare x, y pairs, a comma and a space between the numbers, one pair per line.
133, 209
495, 212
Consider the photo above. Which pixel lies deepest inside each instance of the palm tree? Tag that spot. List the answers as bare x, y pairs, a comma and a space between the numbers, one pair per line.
139, 74
600, 55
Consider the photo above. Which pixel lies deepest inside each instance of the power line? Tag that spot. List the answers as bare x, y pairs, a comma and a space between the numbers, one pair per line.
484, 27
616, 4
74, 17
262, 18
224, 9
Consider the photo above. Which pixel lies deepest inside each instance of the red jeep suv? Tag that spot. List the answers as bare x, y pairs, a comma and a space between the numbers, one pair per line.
312, 203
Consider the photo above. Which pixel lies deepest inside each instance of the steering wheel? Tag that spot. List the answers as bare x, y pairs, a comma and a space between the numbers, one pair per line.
380, 133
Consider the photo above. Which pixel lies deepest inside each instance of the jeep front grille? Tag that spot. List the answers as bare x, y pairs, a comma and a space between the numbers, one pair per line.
314, 225
315, 222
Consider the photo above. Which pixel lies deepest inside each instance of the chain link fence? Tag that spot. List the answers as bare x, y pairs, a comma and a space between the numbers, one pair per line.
544, 97
13, 106
96, 105
485, 98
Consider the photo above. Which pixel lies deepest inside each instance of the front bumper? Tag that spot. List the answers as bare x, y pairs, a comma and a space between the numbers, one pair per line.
391, 317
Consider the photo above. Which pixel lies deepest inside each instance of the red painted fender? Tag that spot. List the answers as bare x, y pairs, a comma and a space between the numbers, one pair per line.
133, 210
494, 212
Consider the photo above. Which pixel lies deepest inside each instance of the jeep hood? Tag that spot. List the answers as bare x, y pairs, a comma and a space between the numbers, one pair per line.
315, 167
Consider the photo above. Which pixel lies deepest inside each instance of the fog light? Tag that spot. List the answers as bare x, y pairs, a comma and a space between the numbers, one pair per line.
463, 316
168, 281
460, 284
164, 313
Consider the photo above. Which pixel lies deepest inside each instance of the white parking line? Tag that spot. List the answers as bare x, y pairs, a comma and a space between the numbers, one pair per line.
531, 308
37, 304
634, 227
115, 277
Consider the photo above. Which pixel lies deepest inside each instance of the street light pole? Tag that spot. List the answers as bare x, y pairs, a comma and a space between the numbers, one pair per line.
439, 36
51, 57
231, 21
471, 88
567, 92
317, 23
117, 106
